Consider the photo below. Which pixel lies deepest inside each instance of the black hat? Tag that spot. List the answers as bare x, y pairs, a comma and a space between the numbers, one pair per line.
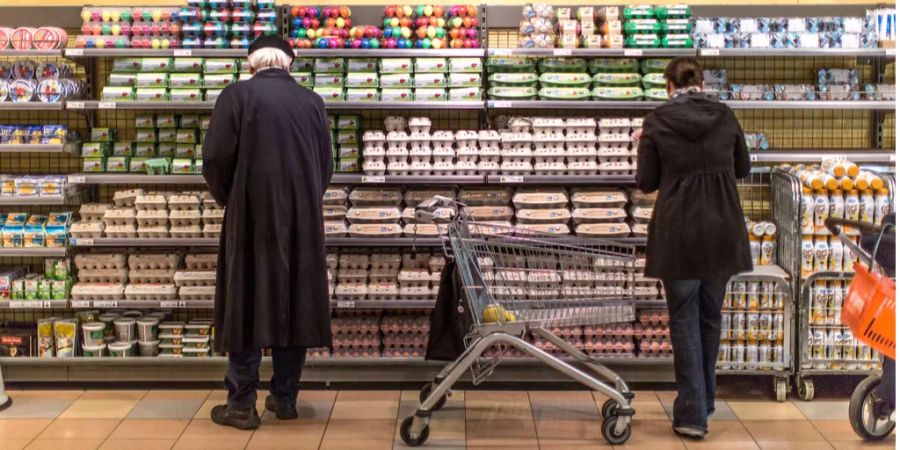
273, 42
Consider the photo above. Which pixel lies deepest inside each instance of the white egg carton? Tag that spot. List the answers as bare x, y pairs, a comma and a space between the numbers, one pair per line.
394, 123
109, 276
616, 150
615, 122
466, 138
120, 231
374, 153
556, 229
150, 218
581, 149
375, 230
420, 153
519, 124
374, 138
512, 141
443, 167
489, 213
609, 138
424, 229
549, 146
485, 196
419, 260
581, 122
213, 216
466, 168
489, 155
397, 139
353, 261
518, 153
151, 292
201, 261
550, 156
582, 167
208, 202
93, 212
398, 168
616, 167
555, 215
467, 153
186, 231
119, 216
442, 140
126, 198
409, 214
599, 198
373, 215
97, 291
488, 139
550, 168
98, 261
397, 154
435, 265
414, 278
374, 167
383, 276
489, 167
637, 122
443, 155
212, 230
151, 276
640, 229
547, 123
355, 291
414, 196
151, 202
334, 212
540, 199
598, 215
153, 261
516, 167
419, 124
420, 168
184, 202
331, 228
385, 261
643, 213
87, 230
603, 230
416, 293
197, 292
376, 197
418, 140
383, 291
345, 276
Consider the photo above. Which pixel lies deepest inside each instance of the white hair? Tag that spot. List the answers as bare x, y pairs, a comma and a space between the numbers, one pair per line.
269, 58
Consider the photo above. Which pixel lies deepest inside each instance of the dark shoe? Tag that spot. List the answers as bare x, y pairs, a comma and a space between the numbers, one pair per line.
288, 413
691, 432
242, 420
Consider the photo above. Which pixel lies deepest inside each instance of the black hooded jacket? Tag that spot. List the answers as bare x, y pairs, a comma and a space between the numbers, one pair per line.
692, 150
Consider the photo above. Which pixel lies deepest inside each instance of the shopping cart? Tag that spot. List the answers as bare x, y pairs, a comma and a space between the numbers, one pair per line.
516, 281
869, 311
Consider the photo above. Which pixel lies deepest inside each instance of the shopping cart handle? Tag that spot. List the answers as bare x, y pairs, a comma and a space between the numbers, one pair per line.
835, 226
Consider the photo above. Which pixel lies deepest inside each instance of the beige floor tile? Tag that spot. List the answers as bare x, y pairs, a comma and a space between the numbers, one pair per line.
656, 445
494, 396
365, 409
795, 445
14, 444
113, 395
145, 444
14, 429
765, 411
568, 406
84, 408
354, 396
567, 444
258, 443
506, 445
79, 429
302, 430
63, 395
647, 410
727, 432
653, 432
68, 444
177, 395
212, 443
782, 431
362, 445
575, 430
340, 430
823, 409
863, 445
707, 445
140, 429
205, 428
835, 430
511, 432
639, 396
494, 405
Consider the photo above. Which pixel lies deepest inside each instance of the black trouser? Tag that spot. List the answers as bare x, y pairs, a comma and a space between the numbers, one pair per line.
695, 324
242, 378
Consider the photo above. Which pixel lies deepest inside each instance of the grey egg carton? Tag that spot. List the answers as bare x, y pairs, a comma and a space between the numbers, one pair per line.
126, 198
186, 232
147, 218
120, 231
184, 202
353, 261
93, 212
151, 292
153, 232
185, 217
108, 276
119, 216
415, 293
383, 291
201, 261
414, 278
195, 278
97, 291
98, 261
383, 275
197, 292
420, 260
212, 230
151, 202
153, 261
352, 275
385, 261
87, 230
162, 276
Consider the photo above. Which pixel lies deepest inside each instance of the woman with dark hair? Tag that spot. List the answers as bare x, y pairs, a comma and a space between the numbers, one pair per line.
692, 150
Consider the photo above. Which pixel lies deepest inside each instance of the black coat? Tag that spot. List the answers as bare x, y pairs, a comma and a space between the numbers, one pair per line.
692, 150
267, 158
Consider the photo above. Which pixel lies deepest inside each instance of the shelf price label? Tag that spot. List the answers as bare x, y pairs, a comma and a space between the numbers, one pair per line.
634, 52
754, 158
74, 52
501, 104
501, 52
83, 242
834, 156
373, 179
709, 52
346, 304
16, 304
562, 52
182, 52
81, 304
75, 105
76, 179
890, 52
512, 179
106, 304
106, 105
173, 304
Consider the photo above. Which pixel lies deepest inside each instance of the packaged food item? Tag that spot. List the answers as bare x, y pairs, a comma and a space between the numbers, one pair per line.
65, 336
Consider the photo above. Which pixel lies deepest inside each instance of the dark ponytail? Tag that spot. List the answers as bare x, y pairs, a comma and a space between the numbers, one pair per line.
684, 72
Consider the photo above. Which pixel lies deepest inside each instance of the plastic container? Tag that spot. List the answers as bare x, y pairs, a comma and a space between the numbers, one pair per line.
171, 328
94, 351
148, 348
125, 329
94, 333
198, 329
147, 329
121, 349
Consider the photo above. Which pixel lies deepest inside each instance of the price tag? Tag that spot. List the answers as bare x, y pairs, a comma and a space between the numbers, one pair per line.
106, 105
754, 158
346, 304
501, 104
892, 157
75, 105
501, 52
47, 304
512, 179
81, 304
76, 179
562, 52
830, 157
373, 179
83, 242
168, 304
709, 52
24, 304
106, 304
634, 52
182, 52
75, 52
890, 52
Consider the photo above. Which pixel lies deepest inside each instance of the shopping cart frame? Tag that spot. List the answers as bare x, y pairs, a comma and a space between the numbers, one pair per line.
616, 412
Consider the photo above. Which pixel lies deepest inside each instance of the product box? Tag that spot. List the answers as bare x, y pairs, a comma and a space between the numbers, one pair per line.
118, 164
304, 79
303, 65
220, 65
467, 65
144, 121
7, 275
166, 121
185, 151
95, 149
182, 166
151, 94
16, 343
156, 65
329, 80
363, 95
126, 65
190, 121
167, 135
185, 80
329, 65
346, 137
431, 65
143, 135
167, 149
145, 149
393, 81
464, 94
186, 95
187, 65
349, 151
430, 95
361, 80
152, 80
137, 165
330, 94
396, 95
122, 79
362, 65
218, 80
348, 165
186, 136
396, 65
429, 80
93, 165
103, 134
346, 122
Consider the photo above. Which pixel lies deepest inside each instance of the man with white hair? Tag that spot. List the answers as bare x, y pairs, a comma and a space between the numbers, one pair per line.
267, 157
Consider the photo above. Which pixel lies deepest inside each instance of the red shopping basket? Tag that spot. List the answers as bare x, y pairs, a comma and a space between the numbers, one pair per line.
869, 310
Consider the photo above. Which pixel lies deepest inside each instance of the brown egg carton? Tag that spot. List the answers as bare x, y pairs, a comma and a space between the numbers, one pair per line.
161, 276
379, 276
98, 261
212, 230
353, 261
87, 230
383, 291
385, 261
151, 202
126, 198
97, 291
103, 276
353, 276
184, 217
197, 292
201, 261
184, 202
153, 261
335, 228
120, 231
186, 232
93, 212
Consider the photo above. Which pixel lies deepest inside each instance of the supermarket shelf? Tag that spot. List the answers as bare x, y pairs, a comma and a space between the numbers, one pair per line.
551, 105
593, 52
144, 242
32, 52
391, 53
157, 53
355, 178
818, 155
133, 178
50, 200
796, 52
354, 106
650, 303
816, 104
34, 304
735, 104
38, 148
144, 304
382, 242
39, 252
377, 304
593, 180
30, 106
136, 105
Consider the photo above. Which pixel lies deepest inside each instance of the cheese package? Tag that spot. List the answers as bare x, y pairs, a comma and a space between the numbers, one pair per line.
375, 230
555, 215
375, 214
375, 197
605, 198
540, 198
597, 215
603, 230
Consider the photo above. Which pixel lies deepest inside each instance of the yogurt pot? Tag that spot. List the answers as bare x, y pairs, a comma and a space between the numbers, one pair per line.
198, 329
148, 348
195, 342
170, 349
121, 349
94, 333
195, 352
147, 329
94, 351
132, 314
171, 328
125, 328
108, 319
171, 339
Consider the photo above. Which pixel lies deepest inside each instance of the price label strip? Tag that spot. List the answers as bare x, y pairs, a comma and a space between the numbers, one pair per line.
373, 179
346, 304
512, 179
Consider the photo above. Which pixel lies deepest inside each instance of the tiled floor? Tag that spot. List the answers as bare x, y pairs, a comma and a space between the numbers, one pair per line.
136, 420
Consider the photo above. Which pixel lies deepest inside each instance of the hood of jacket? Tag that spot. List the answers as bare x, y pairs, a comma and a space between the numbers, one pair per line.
692, 116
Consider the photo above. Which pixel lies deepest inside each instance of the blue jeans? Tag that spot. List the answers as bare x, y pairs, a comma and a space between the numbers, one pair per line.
695, 322
242, 377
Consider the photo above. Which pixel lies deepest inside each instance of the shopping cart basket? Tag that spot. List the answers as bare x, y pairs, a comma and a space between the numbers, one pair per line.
869, 311
516, 281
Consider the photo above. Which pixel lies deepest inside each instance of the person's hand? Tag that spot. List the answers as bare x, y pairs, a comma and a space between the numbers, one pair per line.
636, 136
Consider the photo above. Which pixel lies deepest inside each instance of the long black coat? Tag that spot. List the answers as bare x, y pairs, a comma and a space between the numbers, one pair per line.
692, 150
267, 158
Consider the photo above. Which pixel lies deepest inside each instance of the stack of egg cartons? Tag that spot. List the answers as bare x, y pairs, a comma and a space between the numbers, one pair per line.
464, 80
397, 146
213, 216
652, 330
185, 215
91, 224
430, 79
152, 215
488, 206
515, 147
612, 340
466, 152
443, 153
345, 142
600, 213
641, 211
396, 80
420, 146
101, 276
352, 277
549, 145
404, 334
415, 278
356, 334
415, 227
543, 210
375, 212
581, 145
119, 221
362, 81
383, 274
488, 152
198, 280
331, 262
329, 78
373, 153
334, 211
615, 141
151, 277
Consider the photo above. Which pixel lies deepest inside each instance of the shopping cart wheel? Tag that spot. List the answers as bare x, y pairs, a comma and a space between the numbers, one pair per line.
805, 389
609, 408
862, 415
406, 432
609, 431
781, 385
426, 391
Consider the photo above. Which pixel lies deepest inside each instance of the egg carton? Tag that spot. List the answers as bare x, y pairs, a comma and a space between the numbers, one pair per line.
615, 122
409, 214
153, 232
485, 196
184, 202
543, 215
489, 213
420, 168
151, 292
334, 196
425, 229
93, 212
355, 340
466, 138
443, 167
383, 291
352, 276
97, 291
186, 231
153, 261
549, 147
397, 136
366, 197
147, 218
398, 168
119, 216
394, 123
151, 202
467, 153
404, 340
556, 229
355, 291
608, 198
613, 138
548, 135
541, 198
488, 139
421, 152
385, 261
581, 149
201, 261
125, 199
397, 155
87, 230
653, 317
643, 213
519, 124
151, 276
120, 231
466, 168
417, 261
646, 291
334, 212
512, 141
582, 167
98, 261
489, 167
651, 331
212, 230
516, 168
373, 153
547, 125
603, 230
577, 124
640, 229
419, 140
420, 277
612, 330
107, 276
379, 276
435, 265
598, 215
616, 167
374, 167
550, 168
356, 215
197, 293
616, 150
208, 202
419, 124
374, 138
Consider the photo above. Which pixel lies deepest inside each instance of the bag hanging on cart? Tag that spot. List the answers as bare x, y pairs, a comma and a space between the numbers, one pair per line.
450, 319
